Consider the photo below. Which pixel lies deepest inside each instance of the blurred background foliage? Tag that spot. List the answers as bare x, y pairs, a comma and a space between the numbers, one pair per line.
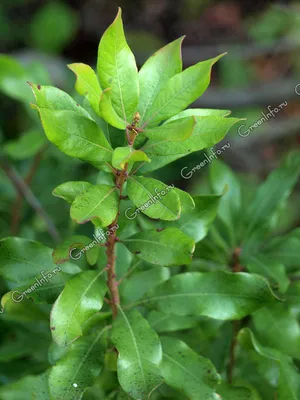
39, 38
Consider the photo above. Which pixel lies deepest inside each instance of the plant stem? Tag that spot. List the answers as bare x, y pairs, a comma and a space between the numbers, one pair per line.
110, 250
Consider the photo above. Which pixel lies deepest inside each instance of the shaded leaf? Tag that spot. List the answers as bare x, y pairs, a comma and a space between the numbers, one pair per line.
187, 371
123, 155
166, 248
78, 369
140, 354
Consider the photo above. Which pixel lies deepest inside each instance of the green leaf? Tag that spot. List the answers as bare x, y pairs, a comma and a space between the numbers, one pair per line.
284, 249
198, 112
228, 392
161, 322
196, 223
13, 78
52, 98
87, 84
156, 71
76, 136
176, 131
117, 70
26, 146
124, 155
288, 384
27, 388
70, 190
187, 371
53, 26
107, 111
74, 306
140, 354
180, 91
99, 202
219, 295
207, 132
187, 202
272, 192
89, 247
154, 198
78, 369
279, 328
273, 270
230, 205
21, 261
166, 248
23, 311
135, 286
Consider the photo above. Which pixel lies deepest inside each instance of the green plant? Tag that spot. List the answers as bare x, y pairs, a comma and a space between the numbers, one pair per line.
120, 316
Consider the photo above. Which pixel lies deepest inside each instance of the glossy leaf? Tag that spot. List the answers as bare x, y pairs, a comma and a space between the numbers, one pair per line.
124, 155
154, 198
81, 298
175, 131
198, 112
288, 383
70, 190
87, 84
187, 371
76, 136
117, 70
52, 98
278, 328
100, 203
207, 132
166, 248
180, 91
219, 295
156, 71
78, 369
140, 354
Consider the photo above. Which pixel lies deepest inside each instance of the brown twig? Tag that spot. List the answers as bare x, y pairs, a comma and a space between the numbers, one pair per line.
17, 206
121, 178
26, 192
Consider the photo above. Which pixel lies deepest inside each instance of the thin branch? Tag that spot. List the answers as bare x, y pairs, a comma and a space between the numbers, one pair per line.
25, 191
17, 206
